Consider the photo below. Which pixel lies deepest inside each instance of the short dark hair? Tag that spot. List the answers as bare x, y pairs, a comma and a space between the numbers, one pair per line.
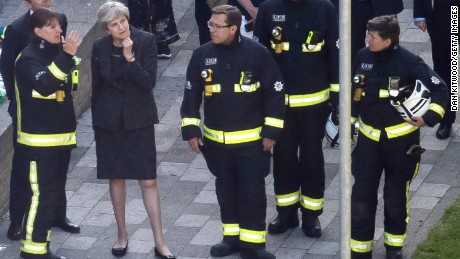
42, 17
233, 14
387, 26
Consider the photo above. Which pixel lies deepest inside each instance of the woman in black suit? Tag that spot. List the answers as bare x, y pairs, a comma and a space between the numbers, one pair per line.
124, 66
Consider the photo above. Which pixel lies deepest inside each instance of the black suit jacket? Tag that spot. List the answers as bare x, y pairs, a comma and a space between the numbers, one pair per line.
129, 100
436, 12
381, 7
16, 39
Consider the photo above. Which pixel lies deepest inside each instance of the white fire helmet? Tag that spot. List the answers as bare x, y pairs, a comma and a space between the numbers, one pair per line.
332, 130
416, 104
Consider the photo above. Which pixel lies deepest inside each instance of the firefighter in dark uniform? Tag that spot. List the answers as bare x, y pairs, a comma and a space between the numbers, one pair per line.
16, 37
46, 125
436, 17
364, 10
303, 38
387, 142
243, 116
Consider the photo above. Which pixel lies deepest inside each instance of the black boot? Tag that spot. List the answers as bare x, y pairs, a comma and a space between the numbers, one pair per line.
54, 256
15, 232
356, 255
394, 254
256, 254
283, 222
311, 226
443, 131
224, 248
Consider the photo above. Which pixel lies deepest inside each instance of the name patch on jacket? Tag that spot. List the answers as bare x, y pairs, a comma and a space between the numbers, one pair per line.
210, 61
37, 76
365, 66
279, 17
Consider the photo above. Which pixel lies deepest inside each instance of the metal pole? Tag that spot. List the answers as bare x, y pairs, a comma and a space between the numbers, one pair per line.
345, 130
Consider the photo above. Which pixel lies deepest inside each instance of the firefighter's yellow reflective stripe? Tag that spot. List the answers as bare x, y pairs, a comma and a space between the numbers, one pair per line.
335, 88
400, 130
274, 122
311, 203
416, 171
33, 247
284, 45
3, 33
76, 60
215, 88
353, 120
232, 137
48, 236
242, 136
437, 108
252, 236
33, 180
58, 73
383, 93
361, 246
287, 199
407, 199
250, 88
308, 99
190, 121
35, 94
394, 240
369, 131
286, 99
47, 140
317, 48
231, 229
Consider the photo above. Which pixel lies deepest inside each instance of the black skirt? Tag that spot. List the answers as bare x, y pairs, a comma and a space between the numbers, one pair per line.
126, 154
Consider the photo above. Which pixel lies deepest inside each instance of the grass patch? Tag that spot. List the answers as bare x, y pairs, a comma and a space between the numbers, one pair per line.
443, 241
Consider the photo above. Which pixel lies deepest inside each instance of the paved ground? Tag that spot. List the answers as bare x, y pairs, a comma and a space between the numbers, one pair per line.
189, 206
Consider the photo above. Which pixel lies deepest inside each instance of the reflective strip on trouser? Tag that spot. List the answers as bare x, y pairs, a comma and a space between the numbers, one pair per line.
190, 121
251, 236
407, 191
231, 229
58, 73
287, 199
400, 130
307, 99
311, 204
232, 137
240, 171
47, 140
437, 108
298, 160
34, 248
33, 179
394, 240
361, 246
274, 122
27, 245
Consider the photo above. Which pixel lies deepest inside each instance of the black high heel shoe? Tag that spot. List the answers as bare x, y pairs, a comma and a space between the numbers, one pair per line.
157, 254
121, 251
